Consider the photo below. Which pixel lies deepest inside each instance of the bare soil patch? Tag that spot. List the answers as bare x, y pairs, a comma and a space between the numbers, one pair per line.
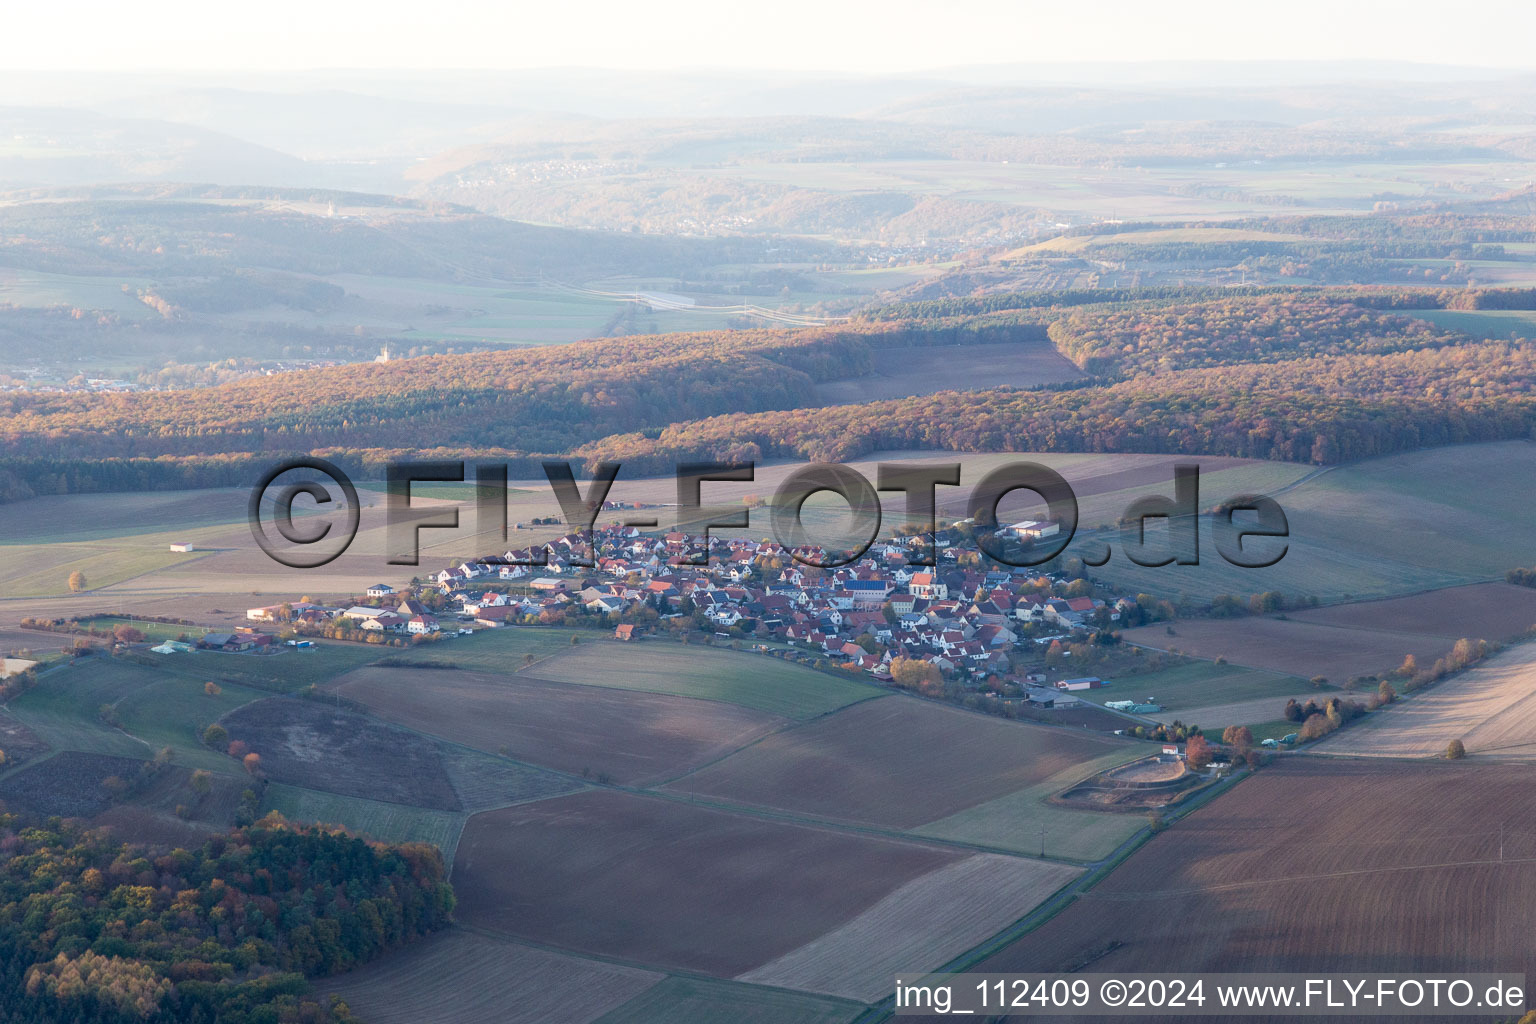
71, 784
307, 743
665, 882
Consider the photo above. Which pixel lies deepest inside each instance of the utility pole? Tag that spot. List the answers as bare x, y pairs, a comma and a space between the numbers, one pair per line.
1043, 831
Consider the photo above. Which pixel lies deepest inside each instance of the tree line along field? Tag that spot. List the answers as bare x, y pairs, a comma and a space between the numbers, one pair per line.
1317, 865
1490, 708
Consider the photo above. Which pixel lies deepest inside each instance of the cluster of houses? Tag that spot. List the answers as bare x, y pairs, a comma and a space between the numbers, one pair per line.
965, 620
396, 614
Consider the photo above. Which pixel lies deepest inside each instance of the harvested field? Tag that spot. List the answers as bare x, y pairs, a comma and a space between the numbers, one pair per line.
306, 743
683, 1000
659, 880
630, 737
35, 640
1318, 865
753, 681
899, 762
921, 926
1491, 708
1492, 611
922, 371
1304, 649
457, 977
71, 784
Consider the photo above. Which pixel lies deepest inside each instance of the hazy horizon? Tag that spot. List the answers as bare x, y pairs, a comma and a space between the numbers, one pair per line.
902, 37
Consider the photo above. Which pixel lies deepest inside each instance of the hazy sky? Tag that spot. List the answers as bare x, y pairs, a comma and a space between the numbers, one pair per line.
860, 36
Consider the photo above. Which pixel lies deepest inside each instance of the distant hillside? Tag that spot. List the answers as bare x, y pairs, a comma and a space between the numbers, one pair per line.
49, 146
1301, 375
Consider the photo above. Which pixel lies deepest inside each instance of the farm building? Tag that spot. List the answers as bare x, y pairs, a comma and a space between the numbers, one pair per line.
1080, 683
181, 546
625, 632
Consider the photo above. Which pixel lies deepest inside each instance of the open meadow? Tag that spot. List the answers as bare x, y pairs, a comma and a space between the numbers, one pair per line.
1193, 685
1465, 506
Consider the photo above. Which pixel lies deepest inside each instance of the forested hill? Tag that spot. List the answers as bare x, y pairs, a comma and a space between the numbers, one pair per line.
92, 930
1300, 374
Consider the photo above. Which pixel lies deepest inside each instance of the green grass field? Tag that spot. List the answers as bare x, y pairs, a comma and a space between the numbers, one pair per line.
395, 823
1195, 685
1013, 822
1468, 505
43, 570
1273, 730
291, 670
64, 709
495, 650
151, 630
175, 711
750, 680
698, 1001
1482, 323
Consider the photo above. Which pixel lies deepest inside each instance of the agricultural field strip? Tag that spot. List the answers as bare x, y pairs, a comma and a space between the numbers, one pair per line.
441, 980
921, 925
1311, 876
1491, 708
